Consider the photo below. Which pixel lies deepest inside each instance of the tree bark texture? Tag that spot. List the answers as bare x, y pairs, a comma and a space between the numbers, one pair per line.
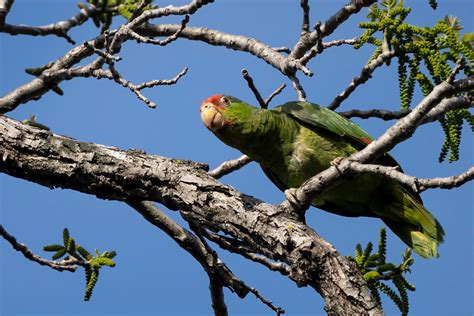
56, 161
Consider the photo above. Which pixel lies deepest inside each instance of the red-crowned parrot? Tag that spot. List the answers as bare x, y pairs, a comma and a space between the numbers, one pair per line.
297, 140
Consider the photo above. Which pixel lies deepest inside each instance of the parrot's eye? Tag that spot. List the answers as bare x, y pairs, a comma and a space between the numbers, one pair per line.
224, 101
205, 107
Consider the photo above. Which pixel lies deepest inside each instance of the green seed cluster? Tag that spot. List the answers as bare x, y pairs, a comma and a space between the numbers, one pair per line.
82, 257
376, 271
426, 55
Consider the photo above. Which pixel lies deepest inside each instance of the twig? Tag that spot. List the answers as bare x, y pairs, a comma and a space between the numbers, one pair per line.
229, 166
166, 41
307, 42
298, 88
101, 53
305, 26
417, 184
252, 87
139, 9
219, 274
59, 29
460, 63
278, 310
317, 48
435, 114
364, 75
59, 266
274, 94
340, 42
232, 245
385, 115
163, 82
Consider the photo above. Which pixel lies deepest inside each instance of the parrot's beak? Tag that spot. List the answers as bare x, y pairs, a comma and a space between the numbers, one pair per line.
211, 118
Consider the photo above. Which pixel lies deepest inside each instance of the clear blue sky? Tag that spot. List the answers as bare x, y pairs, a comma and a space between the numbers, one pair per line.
153, 276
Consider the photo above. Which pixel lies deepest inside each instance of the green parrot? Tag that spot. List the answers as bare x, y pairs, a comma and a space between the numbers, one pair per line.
297, 140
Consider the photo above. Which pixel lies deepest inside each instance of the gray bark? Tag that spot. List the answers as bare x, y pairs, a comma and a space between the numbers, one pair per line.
110, 173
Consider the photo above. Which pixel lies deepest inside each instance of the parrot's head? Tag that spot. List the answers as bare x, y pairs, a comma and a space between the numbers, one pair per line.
213, 111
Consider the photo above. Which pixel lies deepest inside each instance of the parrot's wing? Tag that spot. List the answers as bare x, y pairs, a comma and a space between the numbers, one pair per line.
316, 117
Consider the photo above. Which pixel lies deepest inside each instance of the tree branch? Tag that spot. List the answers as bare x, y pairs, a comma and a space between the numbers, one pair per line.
109, 173
364, 75
307, 42
59, 266
59, 29
229, 166
433, 115
254, 89
417, 184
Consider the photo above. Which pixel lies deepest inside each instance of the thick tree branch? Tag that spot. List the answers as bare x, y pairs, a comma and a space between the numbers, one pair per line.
59, 266
109, 173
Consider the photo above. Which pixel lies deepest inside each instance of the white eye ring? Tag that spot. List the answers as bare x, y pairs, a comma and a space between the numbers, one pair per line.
224, 100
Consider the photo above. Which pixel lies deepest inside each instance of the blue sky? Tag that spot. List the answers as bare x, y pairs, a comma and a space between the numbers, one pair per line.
153, 275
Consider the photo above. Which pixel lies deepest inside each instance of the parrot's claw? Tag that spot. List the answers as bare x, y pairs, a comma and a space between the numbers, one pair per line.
290, 195
336, 161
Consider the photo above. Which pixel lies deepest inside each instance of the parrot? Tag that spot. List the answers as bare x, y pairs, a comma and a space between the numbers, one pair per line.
297, 140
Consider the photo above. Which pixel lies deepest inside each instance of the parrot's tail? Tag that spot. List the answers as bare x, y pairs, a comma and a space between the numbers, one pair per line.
416, 227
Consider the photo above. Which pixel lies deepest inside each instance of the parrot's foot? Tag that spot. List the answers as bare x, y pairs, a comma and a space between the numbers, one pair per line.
290, 195
336, 161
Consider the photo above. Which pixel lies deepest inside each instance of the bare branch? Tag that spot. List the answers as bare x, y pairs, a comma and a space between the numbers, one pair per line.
124, 30
166, 41
307, 42
417, 184
435, 114
59, 266
236, 247
364, 75
385, 115
59, 29
163, 82
217, 297
254, 89
299, 89
217, 38
340, 42
103, 54
274, 94
305, 26
229, 166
